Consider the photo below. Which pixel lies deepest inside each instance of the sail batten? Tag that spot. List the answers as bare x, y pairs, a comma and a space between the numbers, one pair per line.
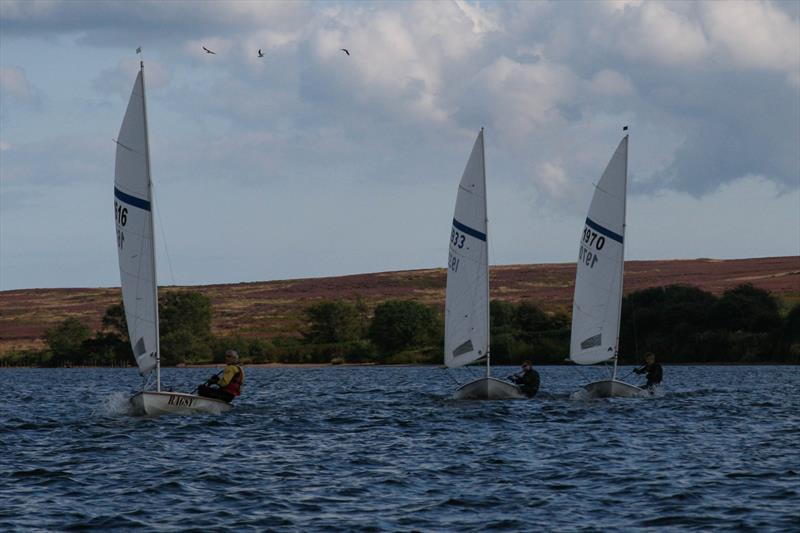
134, 225
598, 279
466, 300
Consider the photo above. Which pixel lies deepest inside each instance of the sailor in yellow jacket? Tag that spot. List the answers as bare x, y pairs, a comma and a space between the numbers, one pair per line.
230, 385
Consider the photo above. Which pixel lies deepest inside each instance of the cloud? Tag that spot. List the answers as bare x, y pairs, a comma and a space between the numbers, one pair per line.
661, 32
755, 35
608, 82
121, 23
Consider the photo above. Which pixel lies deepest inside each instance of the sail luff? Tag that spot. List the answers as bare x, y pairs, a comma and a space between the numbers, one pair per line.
622, 261
152, 231
486, 260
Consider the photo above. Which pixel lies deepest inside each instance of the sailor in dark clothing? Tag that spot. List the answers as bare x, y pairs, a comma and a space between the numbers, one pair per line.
653, 370
528, 382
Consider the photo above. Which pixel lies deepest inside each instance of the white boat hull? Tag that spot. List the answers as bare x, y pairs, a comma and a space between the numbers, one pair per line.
488, 389
152, 403
613, 389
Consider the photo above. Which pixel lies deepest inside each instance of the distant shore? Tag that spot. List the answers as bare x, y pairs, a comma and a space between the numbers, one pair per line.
404, 365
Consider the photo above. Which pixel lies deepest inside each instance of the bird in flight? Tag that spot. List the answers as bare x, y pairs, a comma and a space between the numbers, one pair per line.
209, 51
260, 53
345, 50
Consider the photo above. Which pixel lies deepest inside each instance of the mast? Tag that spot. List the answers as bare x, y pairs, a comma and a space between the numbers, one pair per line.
622, 266
486, 257
152, 231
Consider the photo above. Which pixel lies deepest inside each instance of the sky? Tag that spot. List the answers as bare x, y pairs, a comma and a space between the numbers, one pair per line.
308, 162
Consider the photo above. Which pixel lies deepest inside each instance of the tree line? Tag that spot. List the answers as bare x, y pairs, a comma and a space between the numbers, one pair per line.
679, 323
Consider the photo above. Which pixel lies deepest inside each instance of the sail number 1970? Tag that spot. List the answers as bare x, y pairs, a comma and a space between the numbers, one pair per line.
590, 240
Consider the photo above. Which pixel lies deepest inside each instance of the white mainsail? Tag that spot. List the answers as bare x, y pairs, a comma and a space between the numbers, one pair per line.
597, 301
466, 330
134, 221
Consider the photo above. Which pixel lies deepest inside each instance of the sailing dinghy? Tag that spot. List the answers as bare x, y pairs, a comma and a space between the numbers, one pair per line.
597, 303
133, 204
466, 330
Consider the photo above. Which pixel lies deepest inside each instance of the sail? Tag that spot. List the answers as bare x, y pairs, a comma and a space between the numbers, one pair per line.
598, 280
466, 329
134, 218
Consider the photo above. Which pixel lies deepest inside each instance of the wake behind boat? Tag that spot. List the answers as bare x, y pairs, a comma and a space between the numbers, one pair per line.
597, 303
133, 203
466, 328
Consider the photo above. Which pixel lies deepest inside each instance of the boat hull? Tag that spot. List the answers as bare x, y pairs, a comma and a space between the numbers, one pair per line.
152, 403
610, 388
488, 389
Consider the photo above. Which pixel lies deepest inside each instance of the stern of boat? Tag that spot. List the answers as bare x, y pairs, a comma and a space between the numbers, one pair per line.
153, 403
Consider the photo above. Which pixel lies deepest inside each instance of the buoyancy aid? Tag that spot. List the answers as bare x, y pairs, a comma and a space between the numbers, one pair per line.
235, 385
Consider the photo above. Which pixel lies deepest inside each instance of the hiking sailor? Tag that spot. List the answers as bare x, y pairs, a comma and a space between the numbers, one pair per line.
230, 385
653, 370
528, 382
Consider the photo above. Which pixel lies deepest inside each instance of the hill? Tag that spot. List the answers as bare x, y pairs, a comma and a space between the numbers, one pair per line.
267, 309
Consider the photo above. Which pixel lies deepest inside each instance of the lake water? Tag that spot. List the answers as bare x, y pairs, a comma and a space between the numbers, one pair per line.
385, 449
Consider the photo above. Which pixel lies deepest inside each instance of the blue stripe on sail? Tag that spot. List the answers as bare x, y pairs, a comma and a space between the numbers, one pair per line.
469, 231
132, 200
605, 231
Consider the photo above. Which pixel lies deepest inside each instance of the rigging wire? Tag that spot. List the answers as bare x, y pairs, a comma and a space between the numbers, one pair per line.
163, 238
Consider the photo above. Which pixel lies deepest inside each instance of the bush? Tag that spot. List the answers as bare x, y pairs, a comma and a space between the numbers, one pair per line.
65, 341
334, 322
404, 324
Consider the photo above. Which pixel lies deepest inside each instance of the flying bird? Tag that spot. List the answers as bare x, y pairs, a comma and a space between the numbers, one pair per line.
345, 50
260, 53
209, 51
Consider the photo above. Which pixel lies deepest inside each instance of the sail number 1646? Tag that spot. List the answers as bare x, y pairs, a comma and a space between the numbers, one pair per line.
121, 215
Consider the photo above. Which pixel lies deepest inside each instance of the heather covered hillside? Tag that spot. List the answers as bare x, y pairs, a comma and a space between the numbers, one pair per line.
277, 308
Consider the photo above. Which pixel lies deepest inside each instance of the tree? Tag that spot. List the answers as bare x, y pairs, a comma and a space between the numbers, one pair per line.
66, 339
185, 327
501, 317
746, 308
669, 320
331, 321
115, 322
403, 324
530, 322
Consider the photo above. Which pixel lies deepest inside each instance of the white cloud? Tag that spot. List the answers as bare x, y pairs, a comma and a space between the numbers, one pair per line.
755, 34
552, 179
659, 31
482, 20
521, 96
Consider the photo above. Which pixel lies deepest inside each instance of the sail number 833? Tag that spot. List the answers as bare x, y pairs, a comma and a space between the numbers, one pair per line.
121, 216
591, 243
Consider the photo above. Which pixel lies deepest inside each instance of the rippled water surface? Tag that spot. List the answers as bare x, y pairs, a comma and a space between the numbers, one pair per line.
385, 449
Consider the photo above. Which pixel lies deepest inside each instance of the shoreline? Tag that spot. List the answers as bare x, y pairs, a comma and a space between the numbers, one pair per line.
384, 365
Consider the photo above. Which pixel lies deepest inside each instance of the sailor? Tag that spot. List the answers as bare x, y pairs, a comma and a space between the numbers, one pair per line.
653, 370
230, 385
528, 382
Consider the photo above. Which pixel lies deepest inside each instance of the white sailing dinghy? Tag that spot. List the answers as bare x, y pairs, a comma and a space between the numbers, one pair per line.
466, 329
597, 303
133, 202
